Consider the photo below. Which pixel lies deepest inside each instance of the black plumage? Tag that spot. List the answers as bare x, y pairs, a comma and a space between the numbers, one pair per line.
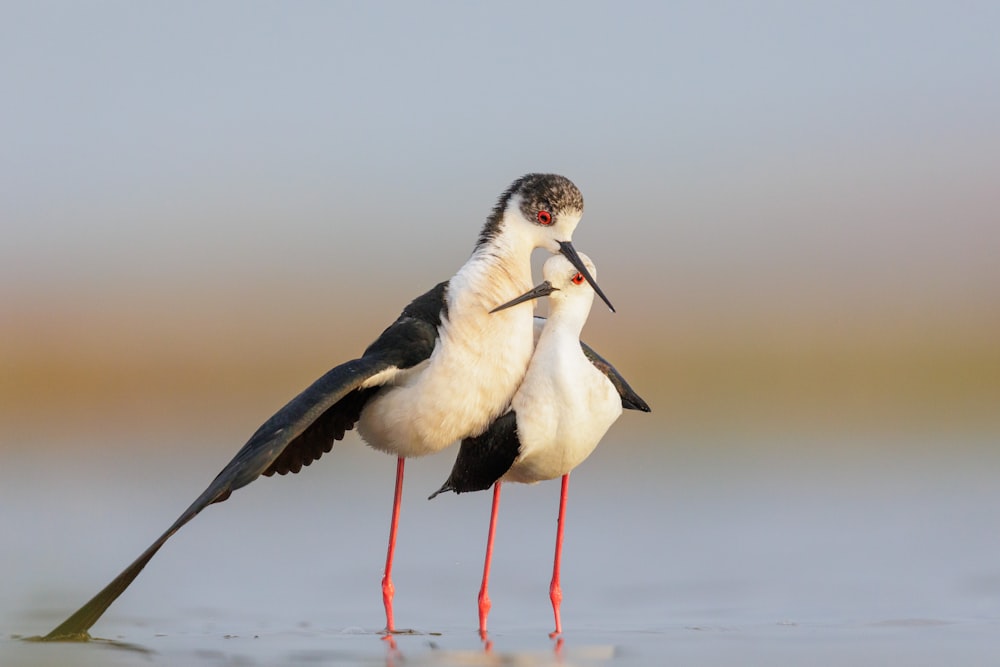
295, 436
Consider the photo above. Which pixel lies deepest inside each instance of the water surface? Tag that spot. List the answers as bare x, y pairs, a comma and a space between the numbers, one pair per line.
829, 549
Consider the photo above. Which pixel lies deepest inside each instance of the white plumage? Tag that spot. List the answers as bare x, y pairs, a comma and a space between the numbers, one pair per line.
565, 405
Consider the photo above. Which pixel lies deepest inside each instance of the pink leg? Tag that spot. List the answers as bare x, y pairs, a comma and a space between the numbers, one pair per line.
388, 590
555, 591
484, 594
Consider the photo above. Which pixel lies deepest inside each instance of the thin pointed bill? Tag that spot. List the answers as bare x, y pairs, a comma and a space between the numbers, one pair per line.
544, 289
569, 252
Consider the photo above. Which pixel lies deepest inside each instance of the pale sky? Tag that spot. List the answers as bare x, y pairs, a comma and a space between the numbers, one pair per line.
726, 150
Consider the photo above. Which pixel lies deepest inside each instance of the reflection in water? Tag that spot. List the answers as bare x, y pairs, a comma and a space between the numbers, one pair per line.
393, 651
86, 638
490, 654
392, 655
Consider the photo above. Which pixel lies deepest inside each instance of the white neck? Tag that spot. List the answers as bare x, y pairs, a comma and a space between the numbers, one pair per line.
488, 352
496, 273
567, 315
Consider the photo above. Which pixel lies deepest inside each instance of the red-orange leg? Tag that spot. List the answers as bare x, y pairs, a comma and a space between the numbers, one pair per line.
484, 593
555, 590
388, 590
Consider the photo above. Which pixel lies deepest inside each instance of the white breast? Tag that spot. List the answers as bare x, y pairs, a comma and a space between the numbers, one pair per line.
564, 408
477, 365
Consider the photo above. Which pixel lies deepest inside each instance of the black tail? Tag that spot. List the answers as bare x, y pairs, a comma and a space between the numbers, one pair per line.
75, 627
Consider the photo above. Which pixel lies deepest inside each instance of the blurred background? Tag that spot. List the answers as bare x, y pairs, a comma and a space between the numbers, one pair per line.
793, 207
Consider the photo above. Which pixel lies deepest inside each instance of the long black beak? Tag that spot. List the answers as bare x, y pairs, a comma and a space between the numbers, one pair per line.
544, 289
569, 252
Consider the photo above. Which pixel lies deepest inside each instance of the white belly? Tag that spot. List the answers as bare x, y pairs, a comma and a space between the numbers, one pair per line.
468, 381
561, 417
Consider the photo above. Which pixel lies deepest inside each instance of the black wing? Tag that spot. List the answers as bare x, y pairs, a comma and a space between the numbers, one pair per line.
630, 399
484, 459
296, 435
404, 344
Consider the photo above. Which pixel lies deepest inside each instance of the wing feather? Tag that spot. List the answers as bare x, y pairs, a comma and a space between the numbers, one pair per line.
295, 436
630, 399
484, 459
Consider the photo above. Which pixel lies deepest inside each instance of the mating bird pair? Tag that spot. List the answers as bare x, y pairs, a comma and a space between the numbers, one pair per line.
461, 363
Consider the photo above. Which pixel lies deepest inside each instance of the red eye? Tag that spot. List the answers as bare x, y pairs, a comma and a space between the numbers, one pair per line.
545, 217
577, 279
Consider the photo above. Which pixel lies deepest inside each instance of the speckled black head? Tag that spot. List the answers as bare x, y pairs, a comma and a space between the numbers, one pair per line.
549, 192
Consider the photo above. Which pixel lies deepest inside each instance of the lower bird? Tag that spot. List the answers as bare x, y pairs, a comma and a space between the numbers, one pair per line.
569, 398
443, 371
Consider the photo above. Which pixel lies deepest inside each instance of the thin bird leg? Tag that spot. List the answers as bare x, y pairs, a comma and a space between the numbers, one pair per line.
484, 594
387, 588
555, 591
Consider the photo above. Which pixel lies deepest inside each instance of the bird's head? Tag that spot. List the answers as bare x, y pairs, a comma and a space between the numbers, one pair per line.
564, 283
545, 210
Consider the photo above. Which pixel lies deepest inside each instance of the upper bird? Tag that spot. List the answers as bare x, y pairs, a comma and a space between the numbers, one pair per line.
568, 400
443, 371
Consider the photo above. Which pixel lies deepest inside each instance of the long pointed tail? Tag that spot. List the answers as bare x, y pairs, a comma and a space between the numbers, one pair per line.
76, 626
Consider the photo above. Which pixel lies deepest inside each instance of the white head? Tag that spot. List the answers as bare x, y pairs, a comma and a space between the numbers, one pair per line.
568, 290
543, 209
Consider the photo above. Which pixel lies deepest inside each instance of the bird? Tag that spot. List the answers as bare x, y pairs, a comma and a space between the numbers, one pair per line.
569, 398
444, 370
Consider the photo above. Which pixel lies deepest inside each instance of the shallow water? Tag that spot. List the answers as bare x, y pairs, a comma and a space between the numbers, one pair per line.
821, 550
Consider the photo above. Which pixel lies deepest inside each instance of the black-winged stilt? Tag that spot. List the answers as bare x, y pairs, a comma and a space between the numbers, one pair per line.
569, 398
443, 371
